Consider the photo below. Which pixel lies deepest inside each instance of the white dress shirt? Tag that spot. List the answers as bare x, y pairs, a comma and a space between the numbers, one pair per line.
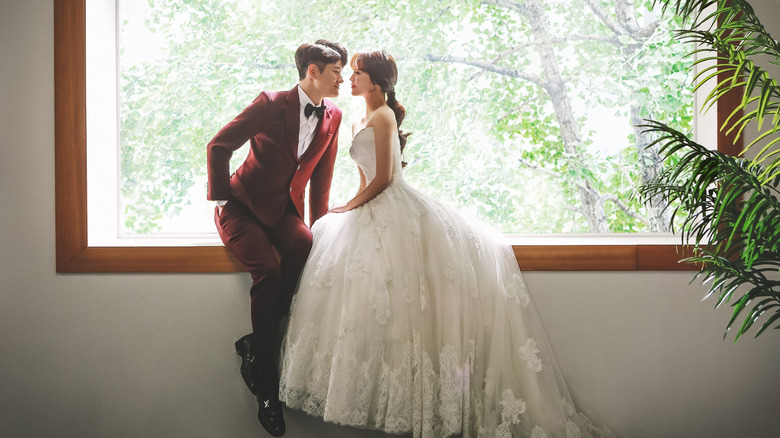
307, 126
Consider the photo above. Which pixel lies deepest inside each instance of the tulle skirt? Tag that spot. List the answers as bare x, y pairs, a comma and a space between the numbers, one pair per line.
412, 320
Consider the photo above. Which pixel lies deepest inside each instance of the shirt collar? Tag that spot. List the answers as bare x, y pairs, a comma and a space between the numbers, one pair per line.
304, 98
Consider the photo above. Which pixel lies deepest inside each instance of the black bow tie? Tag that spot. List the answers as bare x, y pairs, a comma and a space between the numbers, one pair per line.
319, 110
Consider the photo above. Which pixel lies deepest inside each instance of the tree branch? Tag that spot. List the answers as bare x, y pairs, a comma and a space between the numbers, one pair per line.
626, 13
645, 32
265, 66
625, 208
509, 4
625, 10
574, 209
489, 67
609, 39
606, 19
538, 168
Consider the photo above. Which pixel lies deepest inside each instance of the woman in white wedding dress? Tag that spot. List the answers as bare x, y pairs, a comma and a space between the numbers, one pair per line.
410, 320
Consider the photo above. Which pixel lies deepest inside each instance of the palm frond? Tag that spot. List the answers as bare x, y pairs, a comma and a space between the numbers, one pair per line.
731, 31
730, 216
728, 207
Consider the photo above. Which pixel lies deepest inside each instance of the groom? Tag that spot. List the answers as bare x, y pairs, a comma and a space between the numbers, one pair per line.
293, 138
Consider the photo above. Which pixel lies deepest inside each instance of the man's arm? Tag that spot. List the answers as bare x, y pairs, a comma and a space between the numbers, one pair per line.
230, 138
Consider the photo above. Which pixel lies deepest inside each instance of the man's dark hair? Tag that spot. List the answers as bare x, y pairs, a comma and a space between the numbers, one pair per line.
321, 53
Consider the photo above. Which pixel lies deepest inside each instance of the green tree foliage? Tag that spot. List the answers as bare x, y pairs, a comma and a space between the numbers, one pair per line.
509, 102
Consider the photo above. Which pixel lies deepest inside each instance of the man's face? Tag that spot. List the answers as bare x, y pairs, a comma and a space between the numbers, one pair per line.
329, 80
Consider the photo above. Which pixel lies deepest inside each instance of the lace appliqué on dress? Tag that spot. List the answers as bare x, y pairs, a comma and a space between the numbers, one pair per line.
528, 353
444, 218
451, 273
517, 291
538, 432
510, 414
358, 265
380, 303
324, 273
572, 430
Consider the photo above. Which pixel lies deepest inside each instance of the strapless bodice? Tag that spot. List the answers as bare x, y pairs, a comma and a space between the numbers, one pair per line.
363, 152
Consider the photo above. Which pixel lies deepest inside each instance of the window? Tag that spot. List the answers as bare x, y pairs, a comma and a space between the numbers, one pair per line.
77, 254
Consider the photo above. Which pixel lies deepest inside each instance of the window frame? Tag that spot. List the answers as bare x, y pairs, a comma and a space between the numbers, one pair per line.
74, 255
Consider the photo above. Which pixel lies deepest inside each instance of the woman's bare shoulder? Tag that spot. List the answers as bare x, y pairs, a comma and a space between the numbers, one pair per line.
384, 118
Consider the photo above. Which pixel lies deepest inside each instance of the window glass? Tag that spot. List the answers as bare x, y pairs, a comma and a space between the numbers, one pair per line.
523, 114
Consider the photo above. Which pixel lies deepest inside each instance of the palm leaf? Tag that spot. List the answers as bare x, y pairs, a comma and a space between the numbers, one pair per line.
735, 36
727, 207
732, 220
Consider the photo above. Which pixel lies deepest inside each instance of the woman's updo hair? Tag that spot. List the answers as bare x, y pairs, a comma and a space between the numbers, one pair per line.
380, 67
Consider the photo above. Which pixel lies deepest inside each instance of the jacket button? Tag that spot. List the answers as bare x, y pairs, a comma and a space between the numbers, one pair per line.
299, 167
291, 189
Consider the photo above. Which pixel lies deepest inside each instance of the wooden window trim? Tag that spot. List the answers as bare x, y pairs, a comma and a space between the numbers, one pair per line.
75, 256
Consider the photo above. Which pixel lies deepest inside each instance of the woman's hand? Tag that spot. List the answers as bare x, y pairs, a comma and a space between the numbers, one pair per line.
340, 209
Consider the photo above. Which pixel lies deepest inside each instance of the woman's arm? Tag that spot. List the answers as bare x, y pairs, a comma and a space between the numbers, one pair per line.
362, 181
384, 130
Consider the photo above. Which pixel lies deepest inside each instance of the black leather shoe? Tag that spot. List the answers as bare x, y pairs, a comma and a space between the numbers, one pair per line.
248, 371
270, 414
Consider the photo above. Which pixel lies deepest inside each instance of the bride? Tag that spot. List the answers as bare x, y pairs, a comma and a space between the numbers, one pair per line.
410, 320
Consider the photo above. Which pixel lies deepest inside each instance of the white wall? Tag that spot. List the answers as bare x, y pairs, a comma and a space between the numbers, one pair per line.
151, 355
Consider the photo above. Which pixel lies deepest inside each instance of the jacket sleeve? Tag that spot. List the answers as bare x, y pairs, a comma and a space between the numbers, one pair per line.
321, 177
230, 138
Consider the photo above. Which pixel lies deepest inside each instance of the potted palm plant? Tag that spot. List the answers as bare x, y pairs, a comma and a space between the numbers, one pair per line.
728, 205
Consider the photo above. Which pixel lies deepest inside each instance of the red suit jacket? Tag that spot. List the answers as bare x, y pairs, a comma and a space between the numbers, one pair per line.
272, 173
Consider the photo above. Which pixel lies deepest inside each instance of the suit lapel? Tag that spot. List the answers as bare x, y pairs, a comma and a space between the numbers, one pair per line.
292, 119
320, 137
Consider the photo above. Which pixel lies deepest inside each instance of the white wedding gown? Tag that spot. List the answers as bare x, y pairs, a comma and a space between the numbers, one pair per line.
410, 320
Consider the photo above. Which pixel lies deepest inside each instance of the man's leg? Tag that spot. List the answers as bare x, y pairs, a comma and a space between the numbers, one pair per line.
292, 238
247, 239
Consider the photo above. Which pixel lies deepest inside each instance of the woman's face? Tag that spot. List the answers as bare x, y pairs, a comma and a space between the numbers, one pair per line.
361, 83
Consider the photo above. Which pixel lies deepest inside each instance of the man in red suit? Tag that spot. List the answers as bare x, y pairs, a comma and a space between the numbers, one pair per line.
293, 138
